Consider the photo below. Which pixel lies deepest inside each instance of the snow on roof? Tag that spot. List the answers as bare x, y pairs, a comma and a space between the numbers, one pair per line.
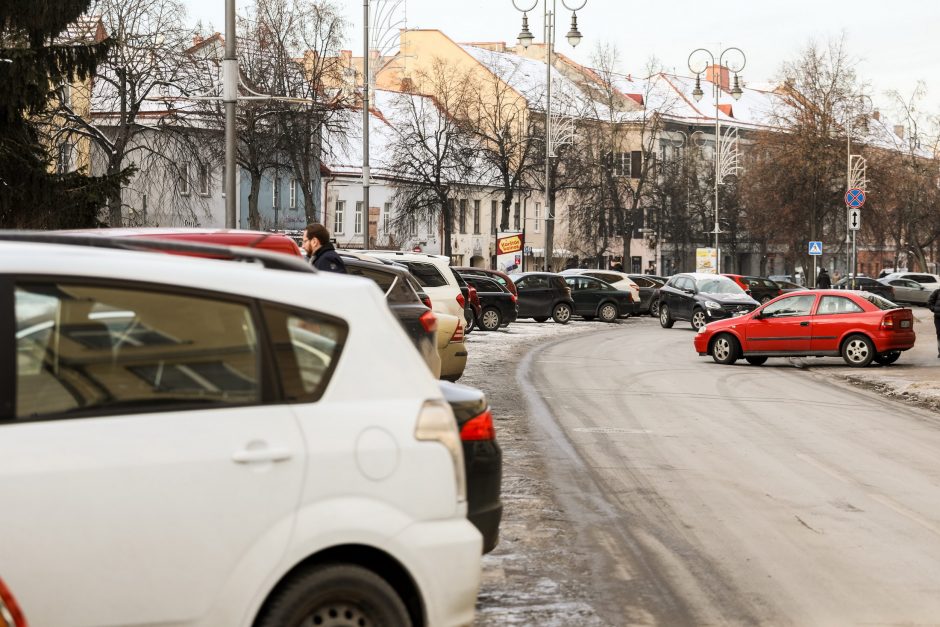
529, 78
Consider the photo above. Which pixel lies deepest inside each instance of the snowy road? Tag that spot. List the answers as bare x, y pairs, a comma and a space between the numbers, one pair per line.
669, 490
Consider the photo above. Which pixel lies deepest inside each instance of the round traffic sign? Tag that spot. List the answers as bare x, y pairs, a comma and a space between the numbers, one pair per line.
855, 198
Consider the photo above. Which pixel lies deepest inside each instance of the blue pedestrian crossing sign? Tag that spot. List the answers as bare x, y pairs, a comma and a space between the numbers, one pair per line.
815, 248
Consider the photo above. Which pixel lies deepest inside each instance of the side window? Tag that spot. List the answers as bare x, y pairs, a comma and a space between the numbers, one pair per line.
87, 349
829, 305
384, 280
306, 349
793, 306
641, 282
574, 283
427, 274
684, 283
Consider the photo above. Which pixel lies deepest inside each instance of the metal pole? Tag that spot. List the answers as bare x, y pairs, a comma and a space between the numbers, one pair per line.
848, 183
716, 86
549, 205
229, 98
365, 125
854, 260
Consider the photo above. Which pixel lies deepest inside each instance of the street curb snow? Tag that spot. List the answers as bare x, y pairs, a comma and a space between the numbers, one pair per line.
886, 389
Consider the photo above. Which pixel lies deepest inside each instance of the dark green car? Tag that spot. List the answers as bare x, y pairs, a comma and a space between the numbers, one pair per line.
594, 298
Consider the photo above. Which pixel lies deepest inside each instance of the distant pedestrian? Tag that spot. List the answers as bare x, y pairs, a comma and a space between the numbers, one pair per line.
823, 281
321, 251
934, 304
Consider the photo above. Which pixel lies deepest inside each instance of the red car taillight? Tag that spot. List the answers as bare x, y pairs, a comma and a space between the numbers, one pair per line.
514, 297
458, 334
427, 302
479, 428
428, 321
10, 613
461, 301
474, 297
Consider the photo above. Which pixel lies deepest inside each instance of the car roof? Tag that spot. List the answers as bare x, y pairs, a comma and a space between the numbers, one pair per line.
701, 275
408, 256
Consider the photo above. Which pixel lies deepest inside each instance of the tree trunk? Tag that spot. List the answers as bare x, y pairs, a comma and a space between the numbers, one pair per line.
310, 207
115, 219
254, 218
447, 226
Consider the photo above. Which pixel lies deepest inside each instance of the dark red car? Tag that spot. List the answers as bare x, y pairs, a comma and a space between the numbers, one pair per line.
858, 326
759, 288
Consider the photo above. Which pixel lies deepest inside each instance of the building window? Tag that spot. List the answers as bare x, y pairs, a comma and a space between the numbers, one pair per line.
65, 94
386, 217
223, 180
476, 217
430, 225
65, 157
203, 179
276, 193
494, 210
516, 218
184, 180
462, 215
636, 164
538, 218
293, 194
338, 225
357, 226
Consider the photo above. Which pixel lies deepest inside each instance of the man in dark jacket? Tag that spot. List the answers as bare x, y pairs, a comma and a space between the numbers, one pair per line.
320, 251
823, 281
934, 304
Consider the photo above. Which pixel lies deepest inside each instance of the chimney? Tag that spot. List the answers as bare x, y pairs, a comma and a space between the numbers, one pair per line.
719, 74
899, 130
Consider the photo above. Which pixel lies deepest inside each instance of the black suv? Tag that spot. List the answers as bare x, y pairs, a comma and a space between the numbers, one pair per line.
497, 305
544, 295
701, 298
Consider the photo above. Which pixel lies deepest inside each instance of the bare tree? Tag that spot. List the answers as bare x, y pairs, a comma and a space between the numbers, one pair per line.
618, 151
496, 116
134, 97
798, 171
433, 155
304, 37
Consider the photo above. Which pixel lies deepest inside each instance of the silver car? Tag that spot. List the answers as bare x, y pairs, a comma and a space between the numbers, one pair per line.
908, 291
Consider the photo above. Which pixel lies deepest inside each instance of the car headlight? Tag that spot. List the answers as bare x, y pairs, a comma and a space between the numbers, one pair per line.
710, 304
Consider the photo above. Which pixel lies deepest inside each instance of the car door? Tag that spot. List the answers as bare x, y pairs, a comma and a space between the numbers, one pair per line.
685, 298
784, 326
833, 318
647, 289
907, 291
143, 460
534, 296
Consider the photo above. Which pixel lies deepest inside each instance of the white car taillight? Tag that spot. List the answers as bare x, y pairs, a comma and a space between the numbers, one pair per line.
436, 423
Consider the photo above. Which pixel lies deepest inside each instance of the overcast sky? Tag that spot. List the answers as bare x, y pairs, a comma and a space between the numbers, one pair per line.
896, 42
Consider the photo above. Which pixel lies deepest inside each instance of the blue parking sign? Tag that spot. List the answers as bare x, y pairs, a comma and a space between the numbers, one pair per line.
815, 248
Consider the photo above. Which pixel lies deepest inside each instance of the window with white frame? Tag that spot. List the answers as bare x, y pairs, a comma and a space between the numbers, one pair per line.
386, 217
517, 218
476, 217
203, 179
184, 180
357, 227
494, 211
339, 215
538, 217
223, 180
462, 215
293, 194
276, 193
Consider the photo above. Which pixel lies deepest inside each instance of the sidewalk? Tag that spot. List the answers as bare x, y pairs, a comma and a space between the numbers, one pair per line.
915, 377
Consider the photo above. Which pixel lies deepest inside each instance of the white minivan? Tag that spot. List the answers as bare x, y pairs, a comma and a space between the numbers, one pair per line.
190, 442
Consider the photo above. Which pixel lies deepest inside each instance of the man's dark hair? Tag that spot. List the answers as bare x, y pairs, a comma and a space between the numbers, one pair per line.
319, 232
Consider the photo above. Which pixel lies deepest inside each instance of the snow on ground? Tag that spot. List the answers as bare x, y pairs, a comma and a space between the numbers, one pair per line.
535, 574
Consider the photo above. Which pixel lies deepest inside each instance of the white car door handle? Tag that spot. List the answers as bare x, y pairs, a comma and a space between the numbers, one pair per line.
254, 456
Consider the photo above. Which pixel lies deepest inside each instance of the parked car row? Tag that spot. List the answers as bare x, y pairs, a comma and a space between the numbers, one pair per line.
274, 433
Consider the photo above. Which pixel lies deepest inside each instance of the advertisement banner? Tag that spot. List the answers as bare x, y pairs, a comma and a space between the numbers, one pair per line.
706, 260
509, 248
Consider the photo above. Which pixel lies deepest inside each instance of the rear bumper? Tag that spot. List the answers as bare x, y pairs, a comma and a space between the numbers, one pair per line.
895, 341
449, 592
483, 461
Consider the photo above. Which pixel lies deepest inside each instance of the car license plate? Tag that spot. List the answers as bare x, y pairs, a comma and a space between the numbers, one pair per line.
905, 324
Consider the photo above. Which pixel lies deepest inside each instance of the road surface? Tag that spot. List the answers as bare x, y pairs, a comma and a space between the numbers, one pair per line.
710, 494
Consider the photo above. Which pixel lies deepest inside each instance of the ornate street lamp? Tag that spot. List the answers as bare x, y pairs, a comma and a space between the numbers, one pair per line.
525, 39
736, 93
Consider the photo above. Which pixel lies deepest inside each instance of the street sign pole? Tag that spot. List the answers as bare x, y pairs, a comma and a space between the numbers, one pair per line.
815, 271
854, 199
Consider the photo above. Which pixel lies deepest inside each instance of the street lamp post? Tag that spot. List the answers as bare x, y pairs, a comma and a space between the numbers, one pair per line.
526, 38
697, 93
854, 178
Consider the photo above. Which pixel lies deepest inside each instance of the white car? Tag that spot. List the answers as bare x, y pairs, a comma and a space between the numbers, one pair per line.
620, 280
188, 441
435, 277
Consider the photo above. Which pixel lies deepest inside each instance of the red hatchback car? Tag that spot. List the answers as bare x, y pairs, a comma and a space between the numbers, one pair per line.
858, 326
